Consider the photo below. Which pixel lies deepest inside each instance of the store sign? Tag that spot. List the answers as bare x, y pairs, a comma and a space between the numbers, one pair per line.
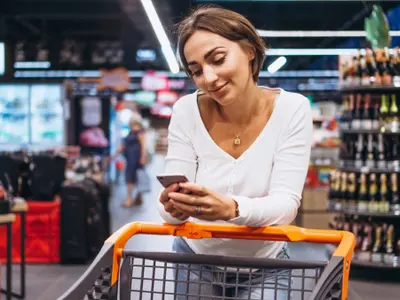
167, 97
116, 80
152, 81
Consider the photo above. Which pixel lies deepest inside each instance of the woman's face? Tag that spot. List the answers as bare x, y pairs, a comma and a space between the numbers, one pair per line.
219, 67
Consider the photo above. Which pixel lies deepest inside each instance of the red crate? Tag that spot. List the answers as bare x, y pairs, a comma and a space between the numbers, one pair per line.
42, 241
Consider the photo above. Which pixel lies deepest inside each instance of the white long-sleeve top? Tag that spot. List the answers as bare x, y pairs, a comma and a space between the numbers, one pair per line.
266, 180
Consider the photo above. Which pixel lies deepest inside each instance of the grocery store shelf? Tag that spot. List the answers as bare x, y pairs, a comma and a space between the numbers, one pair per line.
367, 170
366, 131
344, 210
369, 264
369, 89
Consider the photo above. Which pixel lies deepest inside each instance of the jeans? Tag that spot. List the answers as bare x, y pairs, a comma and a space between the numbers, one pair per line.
263, 284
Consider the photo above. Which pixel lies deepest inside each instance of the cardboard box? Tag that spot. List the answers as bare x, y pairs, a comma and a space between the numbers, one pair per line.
315, 199
316, 221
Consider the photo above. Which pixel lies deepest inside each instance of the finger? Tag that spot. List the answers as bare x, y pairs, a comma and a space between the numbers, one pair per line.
185, 209
186, 199
176, 214
194, 188
164, 195
169, 206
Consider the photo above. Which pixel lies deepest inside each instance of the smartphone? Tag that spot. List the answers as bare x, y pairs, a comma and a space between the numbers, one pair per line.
168, 179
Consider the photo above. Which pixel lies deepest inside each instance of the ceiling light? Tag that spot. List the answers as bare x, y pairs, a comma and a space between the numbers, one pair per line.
277, 64
161, 35
316, 34
310, 51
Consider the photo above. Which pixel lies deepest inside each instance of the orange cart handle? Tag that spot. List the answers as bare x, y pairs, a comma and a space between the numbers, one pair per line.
344, 239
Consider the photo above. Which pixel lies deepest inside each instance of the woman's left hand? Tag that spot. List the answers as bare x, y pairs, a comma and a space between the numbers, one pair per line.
203, 203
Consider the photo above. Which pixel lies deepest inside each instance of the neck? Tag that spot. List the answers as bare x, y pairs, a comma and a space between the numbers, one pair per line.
241, 111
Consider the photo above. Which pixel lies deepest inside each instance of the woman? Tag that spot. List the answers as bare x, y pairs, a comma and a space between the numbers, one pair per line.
134, 150
244, 148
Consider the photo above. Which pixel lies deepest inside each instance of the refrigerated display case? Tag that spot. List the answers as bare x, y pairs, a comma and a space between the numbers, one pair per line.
14, 114
46, 117
31, 115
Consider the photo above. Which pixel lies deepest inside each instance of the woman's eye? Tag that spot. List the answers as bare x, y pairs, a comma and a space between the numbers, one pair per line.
220, 61
196, 73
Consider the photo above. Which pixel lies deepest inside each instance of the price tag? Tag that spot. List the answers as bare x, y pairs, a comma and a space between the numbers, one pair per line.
364, 169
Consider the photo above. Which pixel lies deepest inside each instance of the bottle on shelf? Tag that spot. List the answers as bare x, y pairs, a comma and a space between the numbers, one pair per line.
359, 157
393, 118
383, 205
381, 163
356, 122
383, 112
374, 115
362, 204
394, 193
370, 157
366, 122
373, 192
377, 248
352, 189
386, 76
343, 189
389, 244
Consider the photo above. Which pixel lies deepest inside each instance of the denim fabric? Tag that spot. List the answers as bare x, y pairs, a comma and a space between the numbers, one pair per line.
237, 285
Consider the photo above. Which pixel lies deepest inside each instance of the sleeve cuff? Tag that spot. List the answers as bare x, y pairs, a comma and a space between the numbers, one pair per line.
244, 210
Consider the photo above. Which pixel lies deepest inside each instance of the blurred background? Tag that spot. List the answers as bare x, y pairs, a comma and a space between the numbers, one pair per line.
74, 72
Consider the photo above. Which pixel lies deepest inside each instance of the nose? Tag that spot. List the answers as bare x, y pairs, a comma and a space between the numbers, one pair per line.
209, 75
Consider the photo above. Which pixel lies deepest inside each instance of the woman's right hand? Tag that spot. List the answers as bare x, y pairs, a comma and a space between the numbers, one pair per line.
168, 206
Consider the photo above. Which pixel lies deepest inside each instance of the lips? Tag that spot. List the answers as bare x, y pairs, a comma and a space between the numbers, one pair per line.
219, 88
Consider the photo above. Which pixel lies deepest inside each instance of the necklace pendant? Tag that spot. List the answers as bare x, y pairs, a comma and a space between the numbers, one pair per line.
236, 141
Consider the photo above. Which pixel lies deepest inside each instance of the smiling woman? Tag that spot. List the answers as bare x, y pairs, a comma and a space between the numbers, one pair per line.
244, 149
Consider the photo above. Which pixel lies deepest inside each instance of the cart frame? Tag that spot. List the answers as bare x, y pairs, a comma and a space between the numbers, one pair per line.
112, 253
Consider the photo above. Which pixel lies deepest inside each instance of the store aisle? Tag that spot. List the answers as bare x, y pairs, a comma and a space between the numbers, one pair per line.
47, 282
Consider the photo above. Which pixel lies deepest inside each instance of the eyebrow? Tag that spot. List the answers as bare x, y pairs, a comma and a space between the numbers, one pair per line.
206, 55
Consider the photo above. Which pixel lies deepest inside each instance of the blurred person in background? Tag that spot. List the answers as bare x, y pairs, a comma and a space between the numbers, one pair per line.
244, 148
133, 148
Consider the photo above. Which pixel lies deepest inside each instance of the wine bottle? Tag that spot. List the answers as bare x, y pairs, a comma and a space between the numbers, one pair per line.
366, 122
356, 123
366, 245
378, 54
383, 112
343, 190
394, 193
370, 162
377, 248
373, 190
352, 190
332, 184
394, 115
362, 204
374, 115
363, 70
382, 163
389, 240
371, 66
383, 191
387, 77
359, 151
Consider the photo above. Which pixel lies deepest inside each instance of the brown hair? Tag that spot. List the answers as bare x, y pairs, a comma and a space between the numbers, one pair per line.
226, 23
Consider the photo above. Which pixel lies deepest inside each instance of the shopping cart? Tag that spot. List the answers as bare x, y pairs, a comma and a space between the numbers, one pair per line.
123, 274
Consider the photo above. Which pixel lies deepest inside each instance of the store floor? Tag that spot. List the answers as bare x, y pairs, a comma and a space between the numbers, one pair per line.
47, 282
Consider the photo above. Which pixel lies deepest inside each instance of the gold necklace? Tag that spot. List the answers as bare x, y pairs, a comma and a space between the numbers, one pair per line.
236, 140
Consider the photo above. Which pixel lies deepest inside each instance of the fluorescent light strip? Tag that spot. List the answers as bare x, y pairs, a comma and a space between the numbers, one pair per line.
32, 65
310, 51
315, 34
2, 58
277, 64
139, 74
161, 35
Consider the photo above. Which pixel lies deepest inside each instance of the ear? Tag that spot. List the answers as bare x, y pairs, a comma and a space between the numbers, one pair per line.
251, 53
